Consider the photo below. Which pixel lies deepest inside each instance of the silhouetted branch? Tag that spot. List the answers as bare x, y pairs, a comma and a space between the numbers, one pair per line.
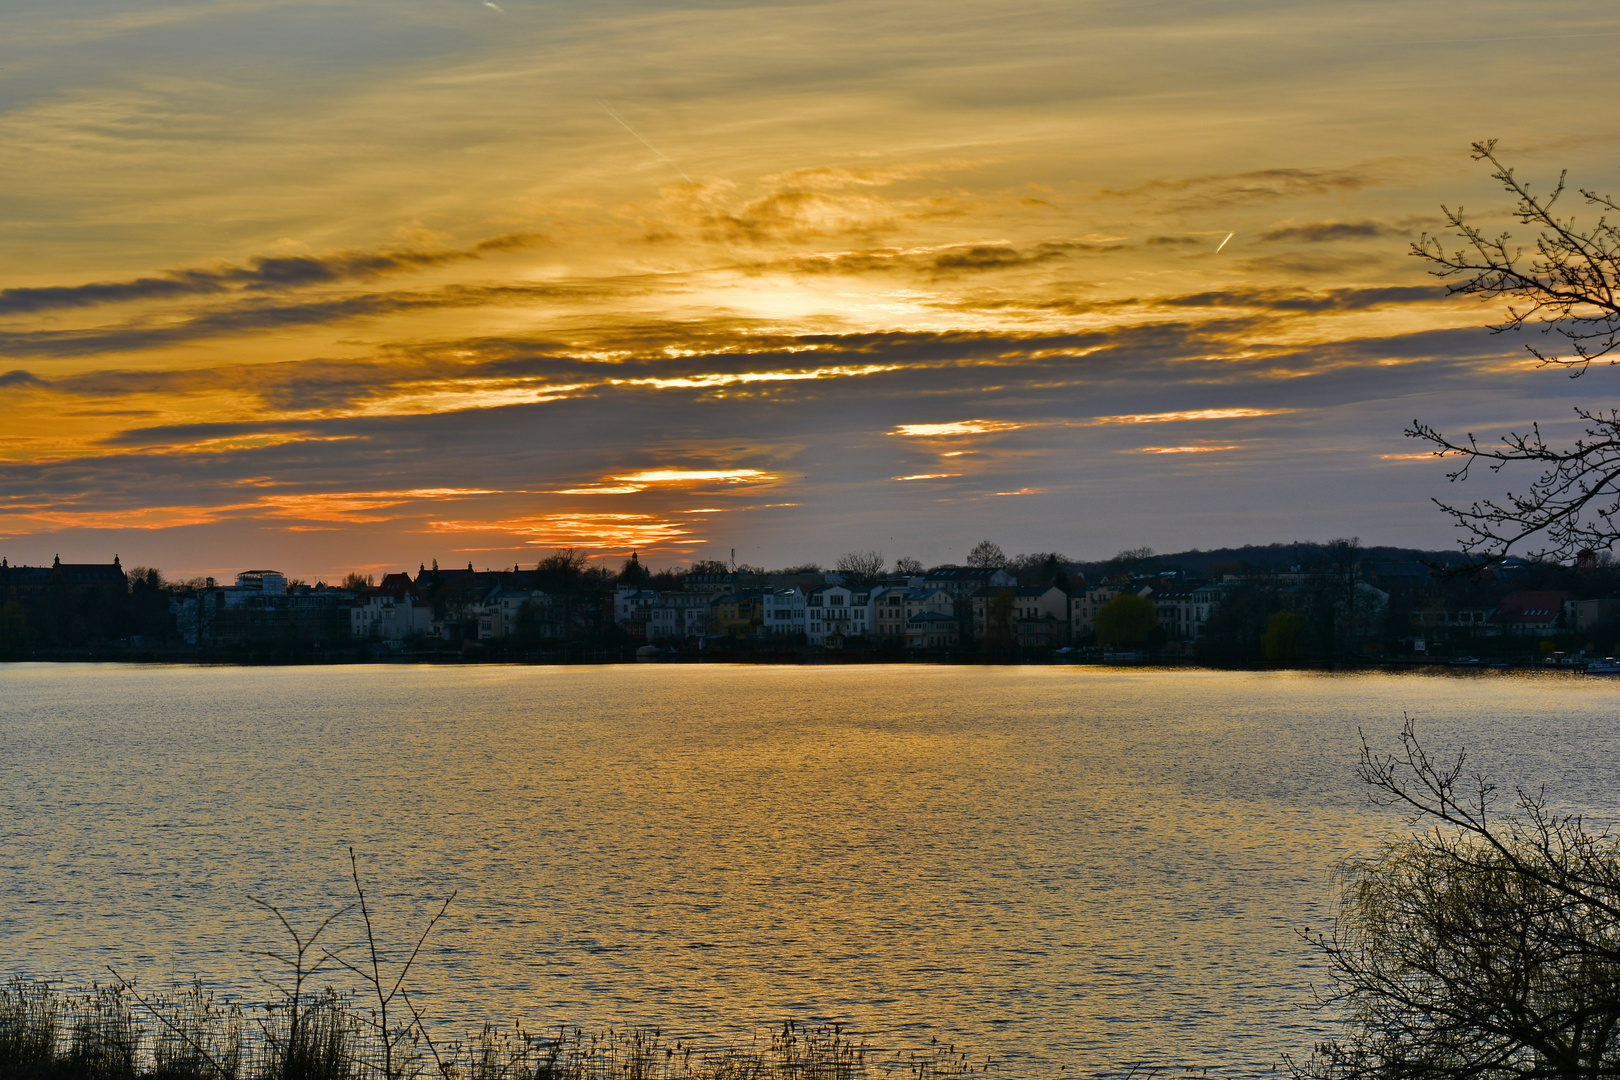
1570, 285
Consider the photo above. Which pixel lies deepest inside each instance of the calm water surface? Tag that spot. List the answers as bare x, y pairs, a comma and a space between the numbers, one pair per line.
1054, 866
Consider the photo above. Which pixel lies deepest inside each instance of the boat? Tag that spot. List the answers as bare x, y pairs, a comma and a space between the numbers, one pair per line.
654, 652
1606, 666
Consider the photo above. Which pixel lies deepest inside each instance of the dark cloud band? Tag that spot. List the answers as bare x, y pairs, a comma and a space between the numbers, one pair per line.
262, 273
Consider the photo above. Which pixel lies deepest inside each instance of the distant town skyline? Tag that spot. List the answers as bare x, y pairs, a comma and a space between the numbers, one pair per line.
866, 564
327, 288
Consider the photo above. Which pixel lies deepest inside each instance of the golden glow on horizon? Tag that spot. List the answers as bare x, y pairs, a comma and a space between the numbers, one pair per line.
926, 476
1181, 449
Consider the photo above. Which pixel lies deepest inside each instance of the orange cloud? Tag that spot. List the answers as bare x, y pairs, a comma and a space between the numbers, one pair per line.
1181, 449
604, 489
591, 531
631, 483
147, 517
683, 476
954, 428
249, 442
354, 506
336, 507
1192, 414
710, 381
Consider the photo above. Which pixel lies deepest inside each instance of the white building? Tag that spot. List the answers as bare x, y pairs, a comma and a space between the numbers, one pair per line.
836, 612
393, 611
784, 613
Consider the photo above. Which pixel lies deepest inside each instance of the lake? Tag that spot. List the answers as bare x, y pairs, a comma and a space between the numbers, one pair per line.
1052, 866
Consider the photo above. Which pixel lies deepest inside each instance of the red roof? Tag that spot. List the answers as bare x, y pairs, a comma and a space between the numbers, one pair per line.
1533, 607
399, 586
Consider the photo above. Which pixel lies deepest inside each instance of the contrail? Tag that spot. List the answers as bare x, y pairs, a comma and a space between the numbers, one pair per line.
609, 110
1223, 242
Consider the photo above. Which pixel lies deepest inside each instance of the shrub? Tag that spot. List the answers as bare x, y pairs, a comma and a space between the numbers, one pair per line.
1127, 619
1484, 948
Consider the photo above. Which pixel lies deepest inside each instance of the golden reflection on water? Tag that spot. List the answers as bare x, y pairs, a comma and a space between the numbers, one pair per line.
1052, 866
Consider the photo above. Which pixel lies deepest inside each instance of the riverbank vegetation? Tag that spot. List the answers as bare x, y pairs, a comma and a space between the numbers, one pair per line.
119, 1032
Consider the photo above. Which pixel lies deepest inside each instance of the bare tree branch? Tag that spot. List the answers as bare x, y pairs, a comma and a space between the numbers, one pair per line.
1568, 285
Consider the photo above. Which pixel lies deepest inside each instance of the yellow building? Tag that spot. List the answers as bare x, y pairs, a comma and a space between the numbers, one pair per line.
737, 614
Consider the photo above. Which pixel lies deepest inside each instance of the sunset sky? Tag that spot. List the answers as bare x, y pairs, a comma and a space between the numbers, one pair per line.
354, 285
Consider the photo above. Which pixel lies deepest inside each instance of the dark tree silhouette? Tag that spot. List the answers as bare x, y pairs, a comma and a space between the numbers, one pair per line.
862, 565
1127, 619
987, 556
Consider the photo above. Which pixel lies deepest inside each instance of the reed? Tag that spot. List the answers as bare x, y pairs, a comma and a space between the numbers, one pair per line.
31, 1019
118, 1033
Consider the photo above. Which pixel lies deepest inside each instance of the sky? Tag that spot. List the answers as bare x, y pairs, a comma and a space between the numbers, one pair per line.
356, 285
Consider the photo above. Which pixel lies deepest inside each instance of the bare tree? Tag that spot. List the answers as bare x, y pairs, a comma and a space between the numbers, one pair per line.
987, 556
1484, 947
862, 564
1569, 285
393, 1035
303, 1038
906, 566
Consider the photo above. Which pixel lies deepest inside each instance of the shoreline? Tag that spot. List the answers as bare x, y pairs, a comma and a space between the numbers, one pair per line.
802, 658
